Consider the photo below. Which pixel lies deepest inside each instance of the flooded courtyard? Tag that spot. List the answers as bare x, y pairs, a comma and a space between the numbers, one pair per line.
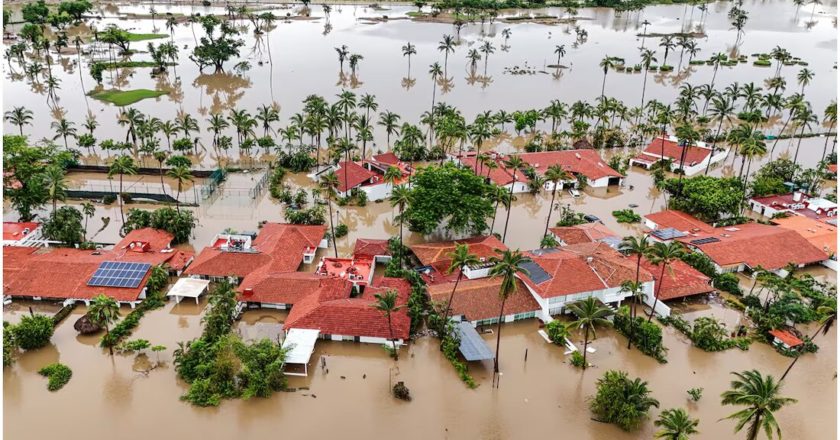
137, 396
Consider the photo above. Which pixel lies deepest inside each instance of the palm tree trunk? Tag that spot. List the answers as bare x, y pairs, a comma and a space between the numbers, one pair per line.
585, 344
825, 147
658, 289
393, 341
107, 336
510, 206
798, 143
550, 208
499, 337
714, 143
332, 227
401, 237
451, 296
773, 148
122, 215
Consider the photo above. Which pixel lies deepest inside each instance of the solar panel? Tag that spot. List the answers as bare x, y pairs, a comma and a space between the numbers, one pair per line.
472, 345
119, 274
668, 234
535, 272
706, 240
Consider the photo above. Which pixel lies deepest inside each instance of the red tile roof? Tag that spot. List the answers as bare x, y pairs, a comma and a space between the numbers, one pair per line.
787, 337
479, 299
680, 280
755, 244
284, 288
820, 234
13, 231
500, 175
356, 175
437, 254
389, 158
678, 220
693, 155
369, 247
333, 312
585, 233
582, 268
586, 162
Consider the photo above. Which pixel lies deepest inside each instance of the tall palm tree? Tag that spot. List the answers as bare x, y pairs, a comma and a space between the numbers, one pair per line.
400, 197
461, 257
828, 315
804, 77
514, 163
342, 55
590, 312
606, 64
103, 311
180, 174
390, 121
760, 395
723, 109
647, 59
122, 165
830, 118
56, 187
640, 247
676, 424
507, 266
329, 184
88, 210
666, 42
487, 48
64, 129
387, 304
554, 174
663, 254
19, 116
446, 46
408, 50
804, 118
560, 50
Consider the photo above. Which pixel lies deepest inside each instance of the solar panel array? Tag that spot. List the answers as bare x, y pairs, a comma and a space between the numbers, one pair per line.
706, 240
535, 272
119, 274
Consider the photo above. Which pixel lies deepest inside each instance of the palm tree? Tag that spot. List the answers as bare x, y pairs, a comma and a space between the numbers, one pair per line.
103, 311
514, 163
89, 210
647, 58
805, 117
168, 128
342, 55
560, 50
663, 254
461, 258
804, 77
507, 266
830, 118
64, 128
668, 43
676, 424
266, 114
390, 121
122, 165
760, 395
387, 304
54, 182
554, 174
487, 48
446, 46
408, 50
329, 184
400, 197
640, 247
19, 116
828, 315
181, 174
590, 312
606, 64
723, 109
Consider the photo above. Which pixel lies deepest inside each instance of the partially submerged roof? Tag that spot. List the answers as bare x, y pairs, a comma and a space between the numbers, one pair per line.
472, 346
678, 220
786, 337
351, 175
478, 299
584, 233
14, 231
674, 151
680, 280
188, 288
369, 247
301, 345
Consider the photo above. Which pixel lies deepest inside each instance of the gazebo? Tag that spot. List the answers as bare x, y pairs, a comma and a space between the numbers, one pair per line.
188, 288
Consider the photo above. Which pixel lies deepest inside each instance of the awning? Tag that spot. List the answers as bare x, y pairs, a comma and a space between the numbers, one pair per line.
301, 344
188, 288
472, 345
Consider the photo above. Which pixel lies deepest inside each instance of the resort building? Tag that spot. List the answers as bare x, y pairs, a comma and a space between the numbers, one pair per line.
695, 159
821, 235
360, 268
70, 274
22, 234
586, 233
558, 277
586, 164
796, 203
367, 175
679, 281
669, 224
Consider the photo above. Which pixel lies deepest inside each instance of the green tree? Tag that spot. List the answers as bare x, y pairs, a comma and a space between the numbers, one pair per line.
387, 304
122, 165
461, 258
622, 401
182, 175
705, 197
507, 266
65, 225
56, 187
215, 49
760, 396
590, 312
24, 183
400, 197
554, 174
33, 331
329, 184
514, 163
19, 116
662, 254
104, 311
675, 424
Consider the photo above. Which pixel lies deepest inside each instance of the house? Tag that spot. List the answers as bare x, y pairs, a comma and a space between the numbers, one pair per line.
22, 234
278, 248
435, 260
367, 175
72, 274
360, 268
585, 233
679, 281
749, 245
558, 277
378, 250
584, 164
669, 224
820, 234
695, 158
339, 316
795, 203
785, 339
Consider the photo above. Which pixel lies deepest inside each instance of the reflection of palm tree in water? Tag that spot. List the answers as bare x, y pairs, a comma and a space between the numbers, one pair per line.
225, 88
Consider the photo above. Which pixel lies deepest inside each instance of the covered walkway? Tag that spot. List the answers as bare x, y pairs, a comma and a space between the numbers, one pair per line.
301, 343
472, 345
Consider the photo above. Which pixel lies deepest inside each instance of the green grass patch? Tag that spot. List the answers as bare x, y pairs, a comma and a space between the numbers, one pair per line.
130, 64
58, 375
141, 37
125, 97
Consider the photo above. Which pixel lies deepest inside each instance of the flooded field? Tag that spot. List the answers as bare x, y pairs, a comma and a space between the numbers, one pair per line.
137, 396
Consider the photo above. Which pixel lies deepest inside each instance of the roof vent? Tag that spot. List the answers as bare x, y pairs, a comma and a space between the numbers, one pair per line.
577, 155
248, 292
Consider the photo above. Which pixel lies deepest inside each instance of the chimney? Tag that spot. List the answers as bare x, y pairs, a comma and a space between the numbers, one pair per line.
797, 196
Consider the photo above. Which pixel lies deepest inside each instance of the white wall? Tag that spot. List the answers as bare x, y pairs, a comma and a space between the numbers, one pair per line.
377, 192
520, 187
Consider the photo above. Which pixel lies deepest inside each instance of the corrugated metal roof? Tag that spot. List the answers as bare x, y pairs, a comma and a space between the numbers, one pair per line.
472, 345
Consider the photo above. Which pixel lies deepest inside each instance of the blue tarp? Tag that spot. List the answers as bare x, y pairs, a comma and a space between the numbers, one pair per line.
472, 346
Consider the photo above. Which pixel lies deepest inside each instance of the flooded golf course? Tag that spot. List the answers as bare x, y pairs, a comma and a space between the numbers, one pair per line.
540, 394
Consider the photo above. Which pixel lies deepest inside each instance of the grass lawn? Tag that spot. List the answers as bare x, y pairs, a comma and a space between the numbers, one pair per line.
140, 37
125, 97
129, 64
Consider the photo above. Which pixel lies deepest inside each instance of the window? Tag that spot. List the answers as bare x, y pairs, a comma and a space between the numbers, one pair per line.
481, 322
525, 315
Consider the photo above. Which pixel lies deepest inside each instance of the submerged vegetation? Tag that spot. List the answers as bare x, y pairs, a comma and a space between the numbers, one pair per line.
125, 97
58, 375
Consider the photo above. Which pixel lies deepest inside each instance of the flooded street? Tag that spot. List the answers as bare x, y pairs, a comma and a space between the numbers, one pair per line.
136, 396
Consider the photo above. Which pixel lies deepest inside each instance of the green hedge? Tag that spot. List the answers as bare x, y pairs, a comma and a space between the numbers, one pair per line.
58, 375
647, 336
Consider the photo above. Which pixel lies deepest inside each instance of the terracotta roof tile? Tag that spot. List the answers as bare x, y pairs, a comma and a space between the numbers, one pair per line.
356, 175
822, 235
368, 247
678, 220
585, 233
787, 337
479, 299
673, 151
437, 254
680, 280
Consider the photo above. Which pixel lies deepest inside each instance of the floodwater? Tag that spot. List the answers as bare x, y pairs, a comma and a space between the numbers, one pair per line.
540, 397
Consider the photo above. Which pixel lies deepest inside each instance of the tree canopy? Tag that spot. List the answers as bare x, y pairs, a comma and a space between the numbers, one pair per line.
708, 198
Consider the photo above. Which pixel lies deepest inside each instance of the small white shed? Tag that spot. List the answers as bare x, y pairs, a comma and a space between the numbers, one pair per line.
188, 288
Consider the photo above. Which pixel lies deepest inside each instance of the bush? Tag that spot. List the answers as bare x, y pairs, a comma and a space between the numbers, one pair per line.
577, 359
9, 345
626, 216
557, 331
274, 182
58, 375
108, 199
341, 230
647, 336
728, 282
33, 331
401, 391
621, 401
695, 394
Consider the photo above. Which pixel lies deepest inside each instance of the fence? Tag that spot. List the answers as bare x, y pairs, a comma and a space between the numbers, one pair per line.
260, 186
148, 191
216, 177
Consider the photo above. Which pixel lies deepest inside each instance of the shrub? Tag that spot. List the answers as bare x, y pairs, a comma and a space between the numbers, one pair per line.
33, 331
710, 335
695, 393
557, 331
647, 336
622, 401
728, 282
58, 375
341, 230
133, 345
401, 391
9, 345
577, 359
626, 216
108, 199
